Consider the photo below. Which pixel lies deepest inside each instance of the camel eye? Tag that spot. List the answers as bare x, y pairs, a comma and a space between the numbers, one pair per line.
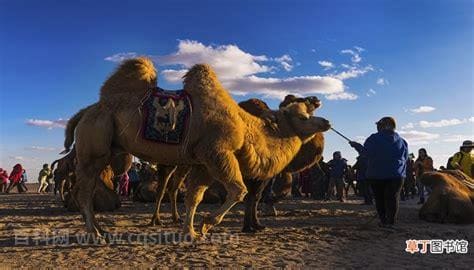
303, 118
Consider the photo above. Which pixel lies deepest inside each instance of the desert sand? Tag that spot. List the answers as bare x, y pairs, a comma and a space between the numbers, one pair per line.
306, 234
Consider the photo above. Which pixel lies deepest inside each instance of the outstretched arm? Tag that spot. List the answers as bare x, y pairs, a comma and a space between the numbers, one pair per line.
358, 147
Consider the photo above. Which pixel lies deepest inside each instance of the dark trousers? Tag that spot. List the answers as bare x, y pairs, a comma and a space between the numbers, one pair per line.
366, 191
387, 198
133, 187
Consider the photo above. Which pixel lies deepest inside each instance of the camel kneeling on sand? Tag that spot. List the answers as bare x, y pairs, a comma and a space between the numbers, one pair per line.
451, 199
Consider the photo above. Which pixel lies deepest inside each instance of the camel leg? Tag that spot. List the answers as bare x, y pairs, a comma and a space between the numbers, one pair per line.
83, 194
194, 195
173, 197
61, 189
164, 174
255, 222
250, 200
173, 188
225, 167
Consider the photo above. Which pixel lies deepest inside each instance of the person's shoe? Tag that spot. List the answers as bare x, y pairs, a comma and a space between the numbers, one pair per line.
421, 201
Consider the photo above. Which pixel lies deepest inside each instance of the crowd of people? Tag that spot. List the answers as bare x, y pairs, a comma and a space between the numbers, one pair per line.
125, 184
384, 172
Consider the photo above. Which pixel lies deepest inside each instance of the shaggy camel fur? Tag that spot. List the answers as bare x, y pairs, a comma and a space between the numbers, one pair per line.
229, 142
309, 154
451, 199
105, 199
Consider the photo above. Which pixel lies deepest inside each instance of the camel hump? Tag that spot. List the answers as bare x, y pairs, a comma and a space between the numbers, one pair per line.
201, 79
254, 106
134, 75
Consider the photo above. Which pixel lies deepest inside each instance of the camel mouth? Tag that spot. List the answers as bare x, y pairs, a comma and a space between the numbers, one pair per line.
324, 124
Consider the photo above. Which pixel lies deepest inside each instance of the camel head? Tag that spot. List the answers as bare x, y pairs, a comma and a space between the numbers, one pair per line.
312, 102
304, 123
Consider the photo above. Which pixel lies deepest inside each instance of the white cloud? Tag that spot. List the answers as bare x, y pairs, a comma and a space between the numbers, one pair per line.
119, 57
19, 158
229, 61
423, 109
355, 56
371, 92
382, 81
353, 72
244, 73
174, 76
360, 139
285, 61
408, 126
273, 87
415, 137
442, 123
41, 148
326, 64
49, 124
457, 138
343, 95
471, 119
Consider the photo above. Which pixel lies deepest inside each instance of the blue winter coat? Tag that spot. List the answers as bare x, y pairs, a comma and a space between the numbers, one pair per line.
387, 155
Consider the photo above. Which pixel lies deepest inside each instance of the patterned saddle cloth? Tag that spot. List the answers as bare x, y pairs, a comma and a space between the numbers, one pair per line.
166, 116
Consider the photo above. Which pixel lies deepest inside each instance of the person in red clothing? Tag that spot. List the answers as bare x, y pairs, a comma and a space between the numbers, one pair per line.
15, 177
123, 184
3, 180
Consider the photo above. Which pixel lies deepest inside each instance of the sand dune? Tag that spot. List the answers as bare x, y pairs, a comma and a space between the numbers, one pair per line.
305, 234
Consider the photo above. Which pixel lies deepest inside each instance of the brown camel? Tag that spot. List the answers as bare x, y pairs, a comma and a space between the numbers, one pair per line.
451, 199
227, 141
309, 154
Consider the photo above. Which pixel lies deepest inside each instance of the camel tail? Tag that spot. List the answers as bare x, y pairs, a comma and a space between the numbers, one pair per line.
53, 164
71, 127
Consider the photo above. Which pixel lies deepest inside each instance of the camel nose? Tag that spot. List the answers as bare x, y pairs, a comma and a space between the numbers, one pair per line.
327, 123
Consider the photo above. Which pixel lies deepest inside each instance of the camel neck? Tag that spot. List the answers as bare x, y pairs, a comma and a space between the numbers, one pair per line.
266, 151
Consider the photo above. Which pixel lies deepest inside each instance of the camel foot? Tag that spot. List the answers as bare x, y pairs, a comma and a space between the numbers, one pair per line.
94, 238
191, 236
156, 221
207, 224
259, 227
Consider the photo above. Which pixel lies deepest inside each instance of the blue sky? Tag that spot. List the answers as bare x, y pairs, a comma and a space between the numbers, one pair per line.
365, 59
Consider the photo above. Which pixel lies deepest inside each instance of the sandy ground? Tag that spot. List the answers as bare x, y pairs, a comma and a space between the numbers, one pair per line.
306, 234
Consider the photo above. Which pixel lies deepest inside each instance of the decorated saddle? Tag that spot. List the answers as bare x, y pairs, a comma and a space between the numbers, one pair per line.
166, 116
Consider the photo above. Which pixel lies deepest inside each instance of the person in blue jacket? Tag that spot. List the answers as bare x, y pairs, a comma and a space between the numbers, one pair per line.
387, 155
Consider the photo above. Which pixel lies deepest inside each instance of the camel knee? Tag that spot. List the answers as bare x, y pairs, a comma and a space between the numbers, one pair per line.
194, 195
237, 193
